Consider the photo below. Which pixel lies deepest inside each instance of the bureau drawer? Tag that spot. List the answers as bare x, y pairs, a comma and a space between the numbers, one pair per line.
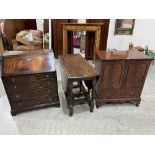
21, 96
52, 84
42, 76
108, 94
26, 79
35, 102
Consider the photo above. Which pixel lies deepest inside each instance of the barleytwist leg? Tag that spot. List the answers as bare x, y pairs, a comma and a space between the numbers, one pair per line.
70, 97
92, 96
70, 103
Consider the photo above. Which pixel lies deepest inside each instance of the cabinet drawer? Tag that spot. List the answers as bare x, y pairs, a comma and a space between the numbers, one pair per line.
35, 102
131, 93
43, 76
108, 95
26, 79
12, 80
50, 98
21, 96
32, 86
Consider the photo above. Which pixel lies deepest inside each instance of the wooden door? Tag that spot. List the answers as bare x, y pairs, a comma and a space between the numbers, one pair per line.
111, 75
57, 36
90, 37
135, 74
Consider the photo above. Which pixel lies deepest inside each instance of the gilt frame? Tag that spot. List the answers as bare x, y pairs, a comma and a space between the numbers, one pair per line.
95, 27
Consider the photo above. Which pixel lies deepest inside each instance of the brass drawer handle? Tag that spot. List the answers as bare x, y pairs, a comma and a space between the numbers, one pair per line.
132, 93
19, 104
28, 58
13, 80
33, 78
17, 96
47, 75
15, 87
108, 95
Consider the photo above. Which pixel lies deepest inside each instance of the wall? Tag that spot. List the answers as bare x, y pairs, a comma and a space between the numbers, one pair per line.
81, 20
39, 24
143, 34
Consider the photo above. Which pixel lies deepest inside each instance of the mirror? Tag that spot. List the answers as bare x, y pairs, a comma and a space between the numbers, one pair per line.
124, 26
46, 34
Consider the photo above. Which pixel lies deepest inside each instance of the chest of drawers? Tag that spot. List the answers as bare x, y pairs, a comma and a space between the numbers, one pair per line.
30, 81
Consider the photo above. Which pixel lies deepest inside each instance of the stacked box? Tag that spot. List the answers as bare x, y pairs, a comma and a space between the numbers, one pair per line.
21, 43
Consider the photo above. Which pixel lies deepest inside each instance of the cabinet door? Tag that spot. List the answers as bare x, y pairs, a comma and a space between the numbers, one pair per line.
135, 75
111, 75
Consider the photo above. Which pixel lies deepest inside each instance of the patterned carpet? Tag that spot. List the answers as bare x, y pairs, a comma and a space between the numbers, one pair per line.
109, 119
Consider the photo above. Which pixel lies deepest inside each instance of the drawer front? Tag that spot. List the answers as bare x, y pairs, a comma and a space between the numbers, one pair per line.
43, 76
26, 79
22, 96
130, 94
52, 84
34, 102
108, 95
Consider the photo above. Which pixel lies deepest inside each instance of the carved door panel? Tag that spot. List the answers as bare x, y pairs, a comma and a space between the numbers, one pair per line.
112, 75
135, 74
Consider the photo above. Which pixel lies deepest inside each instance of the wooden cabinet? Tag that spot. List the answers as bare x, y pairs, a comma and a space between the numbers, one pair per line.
122, 76
30, 81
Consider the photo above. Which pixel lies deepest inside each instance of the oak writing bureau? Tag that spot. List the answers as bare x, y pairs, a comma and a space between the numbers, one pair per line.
30, 81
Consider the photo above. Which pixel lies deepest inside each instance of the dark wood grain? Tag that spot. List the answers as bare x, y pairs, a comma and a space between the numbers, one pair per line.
30, 84
121, 55
28, 63
57, 35
46, 25
77, 67
122, 76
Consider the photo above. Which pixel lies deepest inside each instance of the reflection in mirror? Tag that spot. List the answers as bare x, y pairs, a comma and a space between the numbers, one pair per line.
124, 26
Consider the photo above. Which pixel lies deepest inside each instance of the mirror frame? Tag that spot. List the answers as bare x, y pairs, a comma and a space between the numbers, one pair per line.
123, 31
